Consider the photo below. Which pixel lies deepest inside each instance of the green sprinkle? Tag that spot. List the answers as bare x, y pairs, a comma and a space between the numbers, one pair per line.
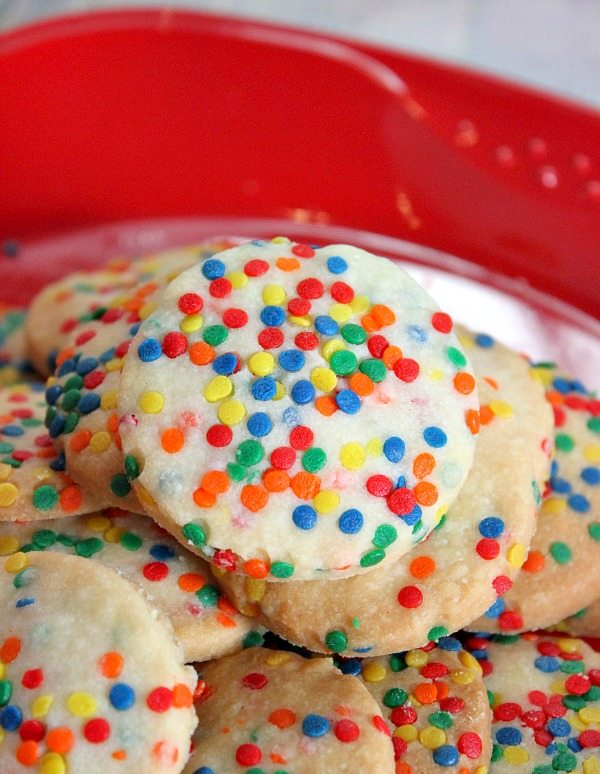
131, 467
236, 472
436, 632
372, 557
215, 335
572, 667
5, 692
71, 422
74, 382
314, 459
130, 541
208, 595
28, 548
249, 452
44, 538
119, 485
505, 639
6, 448
70, 399
561, 553
51, 412
373, 368
252, 640
385, 535
31, 422
593, 694
88, 547
594, 530
194, 533
23, 578
543, 770
496, 753
564, 761
397, 663
354, 334
12, 463
579, 613
564, 442
456, 357
395, 697
336, 641
66, 540
440, 719
593, 424
574, 702
343, 362
355, 623
282, 570
537, 495
45, 497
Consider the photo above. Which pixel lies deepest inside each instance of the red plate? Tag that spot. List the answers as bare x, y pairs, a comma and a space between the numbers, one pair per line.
113, 117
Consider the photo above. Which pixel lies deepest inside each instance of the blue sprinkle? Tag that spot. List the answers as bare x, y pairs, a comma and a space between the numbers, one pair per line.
394, 448
12, 430
259, 424
291, 360
53, 394
315, 725
446, 755
225, 364
303, 392
561, 385
348, 401
591, 476
483, 340
264, 388
480, 655
162, 553
547, 664
350, 667
578, 386
560, 485
11, 717
449, 643
579, 503
553, 468
122, 696
509, 735
56, 426
59, 463
417, 333
291, 417
67, 367
272, 316
134, 329
496, 608
365, 649
558, 727
336, 264
109, 354
435, 437
574, 745
85, 365
204, 770
412, 517
326, 325
213, 269
149, 350
551, 749
88, 403
304, 517
351, 521
491, 527
25, 602
400, 482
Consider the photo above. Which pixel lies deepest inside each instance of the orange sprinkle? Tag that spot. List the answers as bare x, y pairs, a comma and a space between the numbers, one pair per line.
275, 480
117, 440
80, 440
383, 315
287, 264
133, 304
442, 691
534, 562
204, 499
425, 493
423, 464
165, 752
305, 485
485, 415
492, 382
555, 398
391, 355
276, 758
422, 567
10, 649
402, 767
191, 582
45, 454
215, 482
369, 323
256, 568
225, 621
472, 420
201, 353
464, 383
254, 497
145, 290
65, 354
225, 606
361, 384
60, 740
70, 499
282, 718
172, 440
27, 752
344, 710
326, 405
425, 693
111, 664
119, 755
182, 696
112, 423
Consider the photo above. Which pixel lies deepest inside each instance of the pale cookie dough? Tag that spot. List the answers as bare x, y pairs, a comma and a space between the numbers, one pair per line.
278, 402
175, 581
90, 679
33, 481
272, 711
446, 582
585, 623
436, 706
82, 395
562, 572
545, 698
14, 365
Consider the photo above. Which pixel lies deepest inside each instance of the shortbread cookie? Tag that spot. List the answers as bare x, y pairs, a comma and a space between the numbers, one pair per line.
436, 706
585, 623
172, 579
33, 482
562, 572
278, 401
91, 680
545, 697
14, 364
454, 576
272, 711
83, 393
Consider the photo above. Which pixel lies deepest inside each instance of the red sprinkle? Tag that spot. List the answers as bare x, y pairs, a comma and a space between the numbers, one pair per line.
488, 548
155, 571
219, 435
410, 596
346, 730
577, 684
406, 369
174, 344
111, 315
469, 744
248, 755
379, 485
342, 292
219, 288
190, 303
401, 501
283, 457
403, 715
32, 678
254, 681
84, 337
310, 288
434, 669
589, 738
270, 338
301, 437
502, 584
377, 345
442, 322
509, 621
534, 718
160, 699
299, 306
303, 251
32, 730
452, 704
381, 725
96, 730
93, 379
235, 318
256, 268
306, 340
507, 711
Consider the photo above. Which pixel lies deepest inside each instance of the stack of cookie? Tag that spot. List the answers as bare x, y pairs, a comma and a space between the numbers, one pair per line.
235, 438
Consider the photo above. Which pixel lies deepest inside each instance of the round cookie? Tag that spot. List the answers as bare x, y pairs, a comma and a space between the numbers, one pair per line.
562, 572
545, 698
436, 705
14, 365
585, 623
173, 580
90, 679
475, 554
33, 481
274, 711
82, 395
277, 401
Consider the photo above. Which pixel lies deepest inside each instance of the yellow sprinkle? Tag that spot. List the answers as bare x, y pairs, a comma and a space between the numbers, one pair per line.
462, 676
465, 341
146, 310
590, 714
592, 452
97, 523
501, 408
152, 402
280, 240
470, 662
261, 363
249, 610
516, 755
255, 589
143, 495
553, 505
558, 686
277, 658
352, 456
41, 706
360, 305
373, 672
8, 494
218, 572
231, 412
108, 401
591, 765
100, 441
326, 501
432, 737
218, 388
114, 365
42, 473
323, 379
2, 670
435, 374
52, 763
8, 545
238, 279
542, 375
302, 322
5, 471
274, 295
408, 733
16, 562
578, 724
51, 380
375, 447
569, 644
481, 770
114, 534
516, 555
341, 313
191, 323
332, 346
279, 391
416, 658
82, 705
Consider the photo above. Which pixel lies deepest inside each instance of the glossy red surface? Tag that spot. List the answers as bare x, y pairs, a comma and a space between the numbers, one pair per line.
150, 114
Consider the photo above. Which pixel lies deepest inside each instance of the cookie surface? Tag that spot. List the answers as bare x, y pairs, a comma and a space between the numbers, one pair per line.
278, 400
33, 482
273, 711
14, 364
562, 572
453, 577
436, 706
545, 698
178, 583
585, 623
91, 680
